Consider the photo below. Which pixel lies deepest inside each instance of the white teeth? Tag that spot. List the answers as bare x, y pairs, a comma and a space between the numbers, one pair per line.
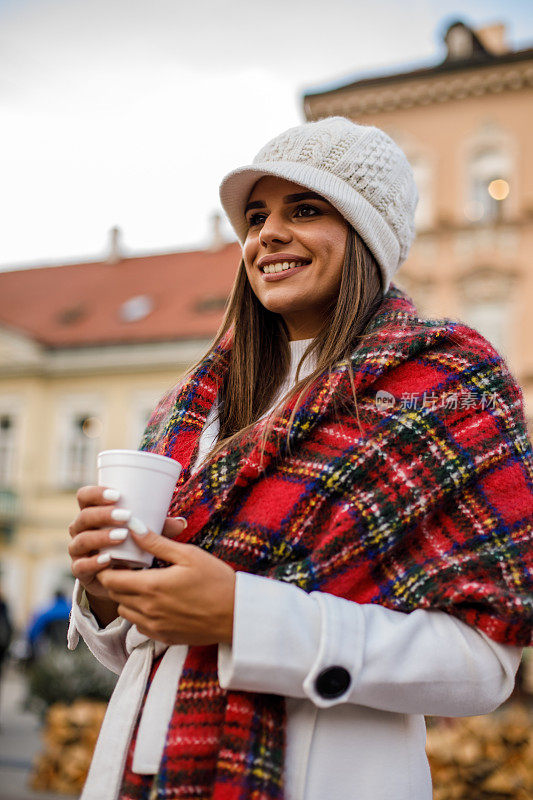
281, 266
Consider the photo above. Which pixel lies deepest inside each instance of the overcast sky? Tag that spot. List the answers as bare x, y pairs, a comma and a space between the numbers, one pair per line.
129, 112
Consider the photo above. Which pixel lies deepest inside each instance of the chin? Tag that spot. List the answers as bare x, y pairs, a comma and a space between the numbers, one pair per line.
286, 304
282, 308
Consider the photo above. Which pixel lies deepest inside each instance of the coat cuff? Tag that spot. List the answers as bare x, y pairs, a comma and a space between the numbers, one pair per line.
339, 655
272, 651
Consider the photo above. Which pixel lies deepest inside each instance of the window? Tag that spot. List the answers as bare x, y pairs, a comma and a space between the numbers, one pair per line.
80, 453
486, 305
423, 179
488, 186
136, 308
80, 439
7, 449
491, 319
460, 42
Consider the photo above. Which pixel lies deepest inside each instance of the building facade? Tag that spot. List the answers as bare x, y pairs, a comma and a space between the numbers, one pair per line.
465, 125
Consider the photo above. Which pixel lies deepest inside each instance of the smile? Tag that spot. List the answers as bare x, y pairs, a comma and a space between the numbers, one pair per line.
282, 266
283, 270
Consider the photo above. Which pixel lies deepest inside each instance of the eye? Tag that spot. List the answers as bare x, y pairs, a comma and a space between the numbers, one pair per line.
306, 210
256, 218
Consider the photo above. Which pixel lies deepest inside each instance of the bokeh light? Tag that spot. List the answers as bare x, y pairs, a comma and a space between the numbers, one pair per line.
92, 427
498, 189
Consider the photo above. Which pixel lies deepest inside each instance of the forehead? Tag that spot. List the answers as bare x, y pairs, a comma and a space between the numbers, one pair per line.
270, 186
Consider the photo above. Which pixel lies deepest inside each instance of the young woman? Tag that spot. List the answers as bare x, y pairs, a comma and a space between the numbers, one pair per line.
348, 544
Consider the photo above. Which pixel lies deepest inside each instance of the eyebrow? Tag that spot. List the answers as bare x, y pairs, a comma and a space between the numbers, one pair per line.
289, 198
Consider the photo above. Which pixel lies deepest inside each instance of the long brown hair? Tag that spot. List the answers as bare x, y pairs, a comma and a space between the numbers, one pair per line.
260, 354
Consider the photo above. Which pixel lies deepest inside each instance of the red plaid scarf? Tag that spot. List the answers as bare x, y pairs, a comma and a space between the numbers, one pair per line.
425, 502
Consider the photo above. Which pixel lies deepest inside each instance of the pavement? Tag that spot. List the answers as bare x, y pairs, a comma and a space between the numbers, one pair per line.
20, 740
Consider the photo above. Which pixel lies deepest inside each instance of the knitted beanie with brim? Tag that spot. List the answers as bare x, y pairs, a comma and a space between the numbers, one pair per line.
358, 168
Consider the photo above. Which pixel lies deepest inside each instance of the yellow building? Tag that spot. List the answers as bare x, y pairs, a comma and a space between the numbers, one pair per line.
465, 125
85, 352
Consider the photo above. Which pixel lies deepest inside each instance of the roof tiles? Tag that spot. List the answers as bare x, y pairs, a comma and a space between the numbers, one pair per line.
81, 304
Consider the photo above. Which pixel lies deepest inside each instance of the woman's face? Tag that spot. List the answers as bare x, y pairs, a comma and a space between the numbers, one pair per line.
293, 252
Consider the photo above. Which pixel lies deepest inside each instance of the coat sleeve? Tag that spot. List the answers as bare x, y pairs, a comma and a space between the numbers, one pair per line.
333, 650
107, 644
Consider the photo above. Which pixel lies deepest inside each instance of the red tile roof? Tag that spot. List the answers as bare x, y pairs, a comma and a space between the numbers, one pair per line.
80, 304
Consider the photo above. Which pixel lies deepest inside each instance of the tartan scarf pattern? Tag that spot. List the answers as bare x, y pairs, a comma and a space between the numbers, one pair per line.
426, 505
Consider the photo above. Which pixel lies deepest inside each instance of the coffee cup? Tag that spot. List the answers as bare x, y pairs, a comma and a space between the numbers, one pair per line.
146, 483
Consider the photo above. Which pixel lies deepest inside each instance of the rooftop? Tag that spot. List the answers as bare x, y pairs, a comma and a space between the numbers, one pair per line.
466, 49
128, 300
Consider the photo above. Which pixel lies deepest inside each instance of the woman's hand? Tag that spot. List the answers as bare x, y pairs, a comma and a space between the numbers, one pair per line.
190, 602
93, 529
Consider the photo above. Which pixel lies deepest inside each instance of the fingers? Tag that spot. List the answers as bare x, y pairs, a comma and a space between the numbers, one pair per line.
162, 547
87, 542
86, 569
122, 582
99, 517
96, 496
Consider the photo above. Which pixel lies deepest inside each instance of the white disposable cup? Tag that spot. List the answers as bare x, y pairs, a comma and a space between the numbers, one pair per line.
146, 482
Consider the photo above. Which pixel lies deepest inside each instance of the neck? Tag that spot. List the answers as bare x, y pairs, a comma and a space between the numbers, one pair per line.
301, 328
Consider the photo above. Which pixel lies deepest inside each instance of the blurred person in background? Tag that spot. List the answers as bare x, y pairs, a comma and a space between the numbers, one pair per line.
337, 562
48, 626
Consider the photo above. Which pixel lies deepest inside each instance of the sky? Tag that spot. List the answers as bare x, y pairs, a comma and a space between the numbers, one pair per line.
130, 112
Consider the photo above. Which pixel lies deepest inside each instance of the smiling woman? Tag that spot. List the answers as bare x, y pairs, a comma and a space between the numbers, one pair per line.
333, 566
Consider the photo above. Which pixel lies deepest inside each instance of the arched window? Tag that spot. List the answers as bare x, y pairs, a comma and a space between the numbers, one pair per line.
486, 305
80, 429
488, 185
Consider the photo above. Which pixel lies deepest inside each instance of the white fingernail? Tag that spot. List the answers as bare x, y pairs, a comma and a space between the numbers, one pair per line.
182, 519
111, 494
137, 526
118, 534
120, 514
103, 558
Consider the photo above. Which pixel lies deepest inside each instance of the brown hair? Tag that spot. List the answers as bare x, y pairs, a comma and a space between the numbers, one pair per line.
260, 355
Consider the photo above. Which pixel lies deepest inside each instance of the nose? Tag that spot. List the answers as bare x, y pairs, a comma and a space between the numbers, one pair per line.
274, 230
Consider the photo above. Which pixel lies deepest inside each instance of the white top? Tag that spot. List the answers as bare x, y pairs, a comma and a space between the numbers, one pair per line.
366, 744
212, 427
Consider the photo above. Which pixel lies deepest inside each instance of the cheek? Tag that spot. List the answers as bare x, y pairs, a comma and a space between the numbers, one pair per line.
249, 251
335, 250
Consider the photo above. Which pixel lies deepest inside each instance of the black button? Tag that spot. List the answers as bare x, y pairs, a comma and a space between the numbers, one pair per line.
332, 682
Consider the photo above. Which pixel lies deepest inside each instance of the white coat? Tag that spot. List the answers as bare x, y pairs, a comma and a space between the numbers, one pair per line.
367, 743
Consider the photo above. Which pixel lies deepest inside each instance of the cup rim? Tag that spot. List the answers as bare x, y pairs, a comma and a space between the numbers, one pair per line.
140, 453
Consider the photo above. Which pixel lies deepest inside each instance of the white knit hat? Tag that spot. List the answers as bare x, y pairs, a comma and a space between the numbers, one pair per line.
358, 168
